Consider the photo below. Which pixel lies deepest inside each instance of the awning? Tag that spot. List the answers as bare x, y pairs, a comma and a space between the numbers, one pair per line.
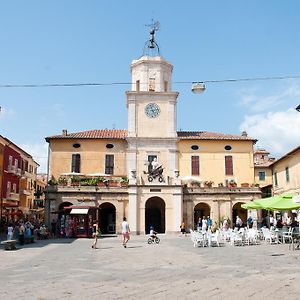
79, 211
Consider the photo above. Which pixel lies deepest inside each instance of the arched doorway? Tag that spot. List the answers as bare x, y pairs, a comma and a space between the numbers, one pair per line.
237, 210
107, 218
201, 210
155, 215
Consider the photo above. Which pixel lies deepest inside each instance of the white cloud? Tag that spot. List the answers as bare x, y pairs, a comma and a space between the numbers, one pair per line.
39, 153
277, 132
259, 103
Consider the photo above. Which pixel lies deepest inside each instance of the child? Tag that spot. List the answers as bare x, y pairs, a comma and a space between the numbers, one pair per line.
152, 232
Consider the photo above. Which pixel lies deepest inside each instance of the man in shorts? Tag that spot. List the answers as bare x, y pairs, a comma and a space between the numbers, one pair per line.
125, 232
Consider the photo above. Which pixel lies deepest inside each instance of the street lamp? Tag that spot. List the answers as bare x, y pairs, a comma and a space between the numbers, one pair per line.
198, 87
298, 108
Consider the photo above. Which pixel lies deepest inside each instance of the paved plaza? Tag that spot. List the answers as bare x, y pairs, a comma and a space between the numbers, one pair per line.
173, 269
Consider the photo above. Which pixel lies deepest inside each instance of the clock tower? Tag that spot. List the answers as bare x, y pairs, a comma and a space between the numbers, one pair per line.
152, 129
151, 104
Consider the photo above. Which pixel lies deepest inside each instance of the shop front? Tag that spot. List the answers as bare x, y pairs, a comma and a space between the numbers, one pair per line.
77, 221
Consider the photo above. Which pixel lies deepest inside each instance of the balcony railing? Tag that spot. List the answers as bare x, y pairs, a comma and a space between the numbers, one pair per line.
13, 196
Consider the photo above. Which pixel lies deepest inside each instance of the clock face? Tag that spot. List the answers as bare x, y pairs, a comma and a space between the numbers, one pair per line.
152, 110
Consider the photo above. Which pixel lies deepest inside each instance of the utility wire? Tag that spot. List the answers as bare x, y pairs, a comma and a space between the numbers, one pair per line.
129, 83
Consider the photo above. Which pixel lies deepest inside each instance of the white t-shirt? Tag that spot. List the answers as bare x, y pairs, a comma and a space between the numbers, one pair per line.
125, 227
10, 230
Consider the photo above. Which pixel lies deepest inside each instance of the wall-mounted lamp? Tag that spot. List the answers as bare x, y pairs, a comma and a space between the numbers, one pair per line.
198, 87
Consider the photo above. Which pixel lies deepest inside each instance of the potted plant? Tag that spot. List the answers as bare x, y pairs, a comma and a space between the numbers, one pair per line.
220, 184
75, 180
232, 183
196, 183
208, 184
62, 180
52, 182
124, 181
245, 184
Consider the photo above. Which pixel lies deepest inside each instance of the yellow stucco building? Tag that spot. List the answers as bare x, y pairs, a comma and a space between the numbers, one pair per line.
173, 176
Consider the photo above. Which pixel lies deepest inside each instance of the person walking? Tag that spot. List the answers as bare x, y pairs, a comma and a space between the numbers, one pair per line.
183, 229
125, 232
96, 234
10, 231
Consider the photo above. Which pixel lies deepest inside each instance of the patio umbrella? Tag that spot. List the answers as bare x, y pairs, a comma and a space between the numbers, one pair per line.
251, 205
285, 202
296, 199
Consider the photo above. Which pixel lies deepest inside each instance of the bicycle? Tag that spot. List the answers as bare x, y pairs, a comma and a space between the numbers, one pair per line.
153, 240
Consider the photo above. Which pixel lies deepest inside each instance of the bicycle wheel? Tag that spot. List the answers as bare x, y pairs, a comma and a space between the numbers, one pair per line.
150, 241
157, 240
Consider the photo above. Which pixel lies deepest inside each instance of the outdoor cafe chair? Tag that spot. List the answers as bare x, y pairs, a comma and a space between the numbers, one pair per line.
269, 236
288, 235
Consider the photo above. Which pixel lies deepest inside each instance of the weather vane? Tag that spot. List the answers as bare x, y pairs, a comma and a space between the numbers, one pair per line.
151, 44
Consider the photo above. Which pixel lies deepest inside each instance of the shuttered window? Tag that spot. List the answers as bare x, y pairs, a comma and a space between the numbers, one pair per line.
75, 163
195, 165
228, 165
109, 164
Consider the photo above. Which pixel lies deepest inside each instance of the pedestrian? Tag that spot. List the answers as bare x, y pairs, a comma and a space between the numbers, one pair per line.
10, 231
239, 222
21, 233
199, 224
209, 222
125, 232
250, 222
96, 234
204, 224
183, 229
53, 228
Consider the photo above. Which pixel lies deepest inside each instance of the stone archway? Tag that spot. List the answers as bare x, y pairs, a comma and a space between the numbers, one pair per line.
237, 210
155, 215
201, 210
107, 218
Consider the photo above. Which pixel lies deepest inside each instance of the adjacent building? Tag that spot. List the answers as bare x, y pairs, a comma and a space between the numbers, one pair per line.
17, 180
286, 173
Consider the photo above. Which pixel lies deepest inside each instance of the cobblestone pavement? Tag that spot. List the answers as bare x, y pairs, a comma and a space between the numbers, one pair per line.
173, 269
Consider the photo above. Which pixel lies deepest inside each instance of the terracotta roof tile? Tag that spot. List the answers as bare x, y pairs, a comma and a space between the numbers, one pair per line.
92, 134
205, 135
122, 134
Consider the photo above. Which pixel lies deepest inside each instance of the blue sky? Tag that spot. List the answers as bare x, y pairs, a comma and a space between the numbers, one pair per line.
62, 41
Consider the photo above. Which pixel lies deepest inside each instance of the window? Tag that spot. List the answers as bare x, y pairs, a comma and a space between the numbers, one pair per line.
151, 84
8, 189
109, 146
227, 147
151, 158
228, 165
16, 163
262, 175
166, 86
194, 147
195, 165
76, 145
109, 164
10, 160
275, 179
75, 163
287, 174
137, 85
14, 187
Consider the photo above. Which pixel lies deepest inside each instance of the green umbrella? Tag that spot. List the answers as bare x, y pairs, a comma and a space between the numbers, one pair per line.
251, 205
285, 202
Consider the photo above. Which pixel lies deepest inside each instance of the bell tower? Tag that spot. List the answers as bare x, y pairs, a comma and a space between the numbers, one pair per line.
152, 136
152, 114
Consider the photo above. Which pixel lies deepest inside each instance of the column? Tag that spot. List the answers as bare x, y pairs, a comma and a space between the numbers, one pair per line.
133, 210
